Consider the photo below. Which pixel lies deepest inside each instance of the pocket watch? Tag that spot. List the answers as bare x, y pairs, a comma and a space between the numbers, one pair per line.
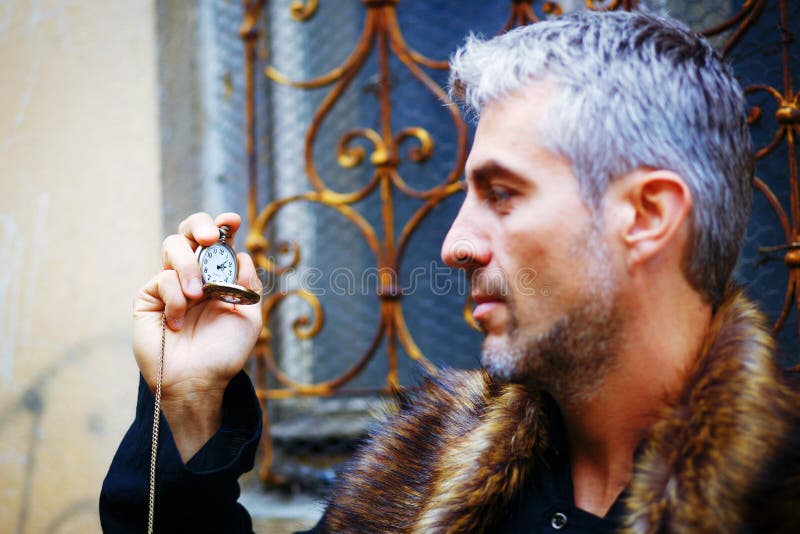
220, 270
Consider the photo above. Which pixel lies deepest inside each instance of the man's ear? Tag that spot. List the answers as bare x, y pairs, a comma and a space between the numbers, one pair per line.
658, 203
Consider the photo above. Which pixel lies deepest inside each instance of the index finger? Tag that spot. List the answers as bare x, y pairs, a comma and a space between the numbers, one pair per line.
231, 220
201, 229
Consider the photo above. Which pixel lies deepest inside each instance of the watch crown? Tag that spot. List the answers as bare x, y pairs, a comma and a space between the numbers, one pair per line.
224, 233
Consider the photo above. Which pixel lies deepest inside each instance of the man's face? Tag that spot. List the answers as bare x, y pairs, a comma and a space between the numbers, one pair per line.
542, 276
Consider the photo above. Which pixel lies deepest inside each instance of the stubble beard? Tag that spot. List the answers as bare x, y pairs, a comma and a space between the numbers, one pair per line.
573, 357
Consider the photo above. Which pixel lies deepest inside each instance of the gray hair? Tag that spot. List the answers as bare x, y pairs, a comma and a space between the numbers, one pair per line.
634, 90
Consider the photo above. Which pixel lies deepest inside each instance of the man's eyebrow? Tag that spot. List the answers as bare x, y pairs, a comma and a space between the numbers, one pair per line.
482, 174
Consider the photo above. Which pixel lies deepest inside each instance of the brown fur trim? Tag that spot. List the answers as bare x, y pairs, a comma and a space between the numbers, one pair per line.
700, 461
389, 480
446, 461
720, 458
479, 473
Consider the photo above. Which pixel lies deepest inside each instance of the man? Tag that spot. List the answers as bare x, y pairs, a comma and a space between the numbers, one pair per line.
613, 156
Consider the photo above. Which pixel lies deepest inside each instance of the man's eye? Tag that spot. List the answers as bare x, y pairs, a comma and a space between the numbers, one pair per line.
499, 195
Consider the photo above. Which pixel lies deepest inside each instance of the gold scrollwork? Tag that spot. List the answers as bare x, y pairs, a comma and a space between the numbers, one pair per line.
258, 245
284, 248
259, 227
603, 5
788, 114
380, 33
303, 11
521, 14
755, 113
787, 118
407, 341
352, 156
426, 145
467, 313
248, 30
380, 29
303, 327
552, 8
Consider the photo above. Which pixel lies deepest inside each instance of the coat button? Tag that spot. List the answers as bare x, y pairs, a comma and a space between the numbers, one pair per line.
558, 521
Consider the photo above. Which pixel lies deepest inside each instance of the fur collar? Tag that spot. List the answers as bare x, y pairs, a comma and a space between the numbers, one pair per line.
702, 461
452, 455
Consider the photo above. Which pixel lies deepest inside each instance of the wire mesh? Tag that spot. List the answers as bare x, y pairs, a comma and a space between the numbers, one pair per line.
336, 262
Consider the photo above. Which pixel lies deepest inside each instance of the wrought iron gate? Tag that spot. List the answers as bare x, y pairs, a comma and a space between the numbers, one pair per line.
382, 154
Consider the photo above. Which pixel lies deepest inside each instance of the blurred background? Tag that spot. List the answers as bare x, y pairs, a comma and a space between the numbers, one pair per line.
324, 124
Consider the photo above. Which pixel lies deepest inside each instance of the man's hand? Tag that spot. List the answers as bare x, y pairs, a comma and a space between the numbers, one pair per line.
207, 341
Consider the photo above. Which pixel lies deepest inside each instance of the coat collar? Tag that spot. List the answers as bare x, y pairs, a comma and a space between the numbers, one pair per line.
451, 456
701, 461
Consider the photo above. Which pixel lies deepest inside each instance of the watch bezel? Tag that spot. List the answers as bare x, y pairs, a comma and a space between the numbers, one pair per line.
231, 293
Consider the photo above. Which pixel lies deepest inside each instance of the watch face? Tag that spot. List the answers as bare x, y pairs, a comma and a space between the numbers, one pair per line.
218, 264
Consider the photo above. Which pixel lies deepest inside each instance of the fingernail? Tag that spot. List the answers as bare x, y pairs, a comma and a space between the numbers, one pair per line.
177, 323
195, 286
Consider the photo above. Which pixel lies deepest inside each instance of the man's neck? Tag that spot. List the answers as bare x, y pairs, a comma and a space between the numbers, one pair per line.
603, 432
602, 438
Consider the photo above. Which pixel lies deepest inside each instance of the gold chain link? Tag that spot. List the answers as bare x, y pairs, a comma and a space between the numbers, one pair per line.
156, 418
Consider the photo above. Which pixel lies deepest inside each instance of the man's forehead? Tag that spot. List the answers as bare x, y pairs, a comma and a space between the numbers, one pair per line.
520, 113
511, 130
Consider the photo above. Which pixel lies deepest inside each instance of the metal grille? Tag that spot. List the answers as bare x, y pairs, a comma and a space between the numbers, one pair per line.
354, 161
769, 274
222, 72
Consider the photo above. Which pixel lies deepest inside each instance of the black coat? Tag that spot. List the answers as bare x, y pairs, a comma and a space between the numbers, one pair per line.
724, 456
200, 496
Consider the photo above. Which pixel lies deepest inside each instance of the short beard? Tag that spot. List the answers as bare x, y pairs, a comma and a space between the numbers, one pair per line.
572, 359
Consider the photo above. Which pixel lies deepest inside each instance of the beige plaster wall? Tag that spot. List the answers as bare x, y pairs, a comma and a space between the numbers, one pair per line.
79, 232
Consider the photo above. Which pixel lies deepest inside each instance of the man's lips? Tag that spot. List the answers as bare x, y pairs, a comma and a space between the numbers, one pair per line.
484, 305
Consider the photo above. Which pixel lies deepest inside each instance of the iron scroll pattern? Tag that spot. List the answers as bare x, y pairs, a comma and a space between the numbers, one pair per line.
382, 35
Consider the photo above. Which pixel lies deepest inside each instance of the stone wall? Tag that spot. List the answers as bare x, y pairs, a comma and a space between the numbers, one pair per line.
80, 224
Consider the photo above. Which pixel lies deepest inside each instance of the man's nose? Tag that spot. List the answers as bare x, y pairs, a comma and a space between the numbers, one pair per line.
466, 245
